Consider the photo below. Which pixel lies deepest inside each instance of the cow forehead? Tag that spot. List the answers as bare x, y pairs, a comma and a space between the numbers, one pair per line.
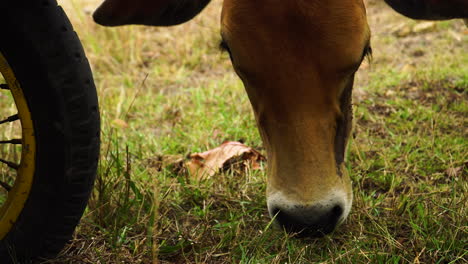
332, 25
315, 14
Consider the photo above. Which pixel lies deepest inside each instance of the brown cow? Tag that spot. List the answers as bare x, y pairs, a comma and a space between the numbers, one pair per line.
297, 60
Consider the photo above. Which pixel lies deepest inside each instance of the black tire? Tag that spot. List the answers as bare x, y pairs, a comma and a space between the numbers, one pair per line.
46, 56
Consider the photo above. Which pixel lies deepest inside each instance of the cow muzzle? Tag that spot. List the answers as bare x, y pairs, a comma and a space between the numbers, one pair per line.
309, 220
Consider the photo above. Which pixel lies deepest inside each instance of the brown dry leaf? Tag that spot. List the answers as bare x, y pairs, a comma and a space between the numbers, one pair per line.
424, 27
454, 172
408, 68
206, 164
119, 123
390, 93
402, 31
456, 36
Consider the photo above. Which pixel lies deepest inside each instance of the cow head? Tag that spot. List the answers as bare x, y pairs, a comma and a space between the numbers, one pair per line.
297, 60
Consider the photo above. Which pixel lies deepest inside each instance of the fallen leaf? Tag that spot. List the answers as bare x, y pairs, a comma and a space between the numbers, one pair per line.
389, 93
206, 164
454, 172
408, 68
424, 27
456, 36
119, 123
88, 10
402, 31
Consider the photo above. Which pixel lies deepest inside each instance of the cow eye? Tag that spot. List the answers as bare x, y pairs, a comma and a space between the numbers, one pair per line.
367, 52
224, 46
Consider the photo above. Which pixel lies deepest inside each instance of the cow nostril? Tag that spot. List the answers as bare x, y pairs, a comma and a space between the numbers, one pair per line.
336, 211
286, 220
275, 211
309, 222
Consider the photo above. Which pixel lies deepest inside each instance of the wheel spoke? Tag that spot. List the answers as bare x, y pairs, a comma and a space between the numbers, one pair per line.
10, 164
10, 119
5, 185
15, 141
4, 86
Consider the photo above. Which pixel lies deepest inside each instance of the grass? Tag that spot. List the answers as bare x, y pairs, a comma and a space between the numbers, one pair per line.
170, 91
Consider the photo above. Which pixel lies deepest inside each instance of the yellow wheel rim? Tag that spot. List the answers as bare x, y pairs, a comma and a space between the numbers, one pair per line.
19, 192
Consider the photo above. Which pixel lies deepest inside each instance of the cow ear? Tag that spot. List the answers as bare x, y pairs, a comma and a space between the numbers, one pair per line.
430, 10
147, 12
